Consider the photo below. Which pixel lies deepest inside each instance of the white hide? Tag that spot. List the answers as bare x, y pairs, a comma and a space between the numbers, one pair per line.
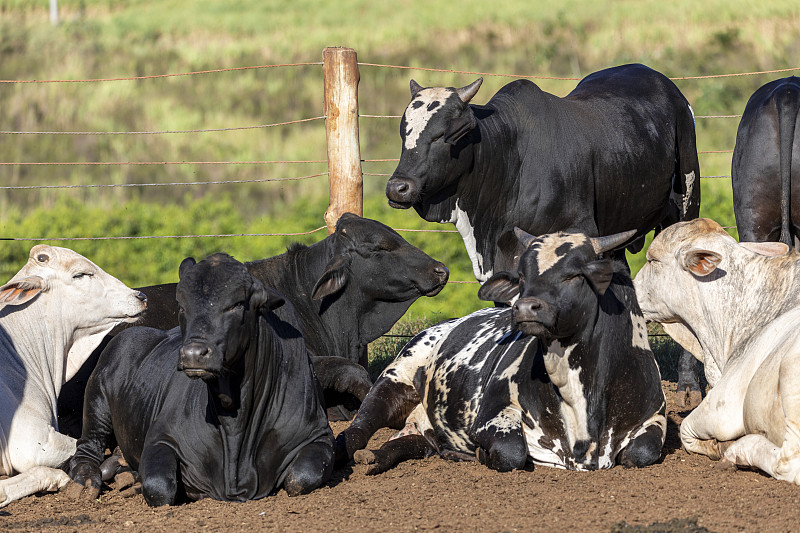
417, 116
743, 314
55, 312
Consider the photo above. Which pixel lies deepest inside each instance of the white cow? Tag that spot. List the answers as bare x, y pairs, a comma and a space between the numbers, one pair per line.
53, 313
736, 306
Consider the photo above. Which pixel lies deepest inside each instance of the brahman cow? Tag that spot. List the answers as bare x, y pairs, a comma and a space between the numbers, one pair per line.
617, 153
767, 149
565, 377
736, 306
55, 311
226, 406
349, 289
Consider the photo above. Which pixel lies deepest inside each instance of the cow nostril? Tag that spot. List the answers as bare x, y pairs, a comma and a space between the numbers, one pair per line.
402, 188
442, 271
141, 296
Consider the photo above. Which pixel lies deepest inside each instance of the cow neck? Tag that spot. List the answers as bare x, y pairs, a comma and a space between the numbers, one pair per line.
38, 341
248, 385
330, 326
757, 287
488, 191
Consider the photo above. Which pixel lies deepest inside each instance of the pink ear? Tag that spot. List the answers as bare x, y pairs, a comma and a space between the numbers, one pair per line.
701, 262
20, 291
768, 249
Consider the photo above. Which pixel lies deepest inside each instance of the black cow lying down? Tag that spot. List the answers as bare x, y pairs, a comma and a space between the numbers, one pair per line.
224, 407
349, 289
565, 377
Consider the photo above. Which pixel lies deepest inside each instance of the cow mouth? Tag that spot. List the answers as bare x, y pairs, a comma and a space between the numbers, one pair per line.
533, 328
199, 373
400, 205
434, 291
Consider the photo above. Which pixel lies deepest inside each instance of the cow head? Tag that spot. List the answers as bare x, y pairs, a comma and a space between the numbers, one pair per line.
219, 302
76, 295
560, 278
685, 255
384, 266
433, 125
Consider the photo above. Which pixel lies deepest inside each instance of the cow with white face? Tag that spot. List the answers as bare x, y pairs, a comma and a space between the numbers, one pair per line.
736, 307
565, 377
54, 312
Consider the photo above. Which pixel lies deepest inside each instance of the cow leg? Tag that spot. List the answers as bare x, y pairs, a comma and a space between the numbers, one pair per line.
395, 451
311, 468
718, 418
159, 471
387, 404
344, 383
501, 443
38, 457
645, 448
689, 392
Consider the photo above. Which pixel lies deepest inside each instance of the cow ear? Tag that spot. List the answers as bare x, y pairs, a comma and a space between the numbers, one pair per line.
768, 249
20, 291
700, 262
186, 264
415, 88
269, 299
501, 287
599, 273
460, 126
334, 279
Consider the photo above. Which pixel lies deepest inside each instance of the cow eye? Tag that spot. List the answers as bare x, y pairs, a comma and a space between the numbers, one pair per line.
238, 306
81, 275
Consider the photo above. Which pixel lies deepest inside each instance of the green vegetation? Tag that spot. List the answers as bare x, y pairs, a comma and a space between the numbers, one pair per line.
121, 39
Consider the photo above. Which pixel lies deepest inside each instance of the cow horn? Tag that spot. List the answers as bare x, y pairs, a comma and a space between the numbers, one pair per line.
415, 88
466, 93
524, 237
610, 242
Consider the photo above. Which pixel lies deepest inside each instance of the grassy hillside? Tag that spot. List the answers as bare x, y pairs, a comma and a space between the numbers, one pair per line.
121, 39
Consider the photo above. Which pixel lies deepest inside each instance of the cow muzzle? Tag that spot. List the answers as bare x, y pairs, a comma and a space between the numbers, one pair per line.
534, 317
441, 275
196, 361
401, 192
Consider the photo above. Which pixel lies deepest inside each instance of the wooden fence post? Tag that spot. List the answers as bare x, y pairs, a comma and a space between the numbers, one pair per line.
345, 186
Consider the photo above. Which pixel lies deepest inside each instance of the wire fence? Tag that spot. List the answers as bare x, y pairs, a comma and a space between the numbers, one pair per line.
264, 126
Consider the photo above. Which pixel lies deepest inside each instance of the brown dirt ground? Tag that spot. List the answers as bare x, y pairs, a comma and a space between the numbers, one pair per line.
434, 494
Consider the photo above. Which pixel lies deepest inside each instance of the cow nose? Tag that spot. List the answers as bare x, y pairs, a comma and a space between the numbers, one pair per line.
527, 307
441, 271
141, 296
400, 190
193, 354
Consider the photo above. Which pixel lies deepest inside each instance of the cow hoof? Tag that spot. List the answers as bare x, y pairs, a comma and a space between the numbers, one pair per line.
364, 457
82, 492
131, 491
725, 465
124, 480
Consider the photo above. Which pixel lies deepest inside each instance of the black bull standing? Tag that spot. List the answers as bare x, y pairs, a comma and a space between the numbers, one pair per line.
617, 153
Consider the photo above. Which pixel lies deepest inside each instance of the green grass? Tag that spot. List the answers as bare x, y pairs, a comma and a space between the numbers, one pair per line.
121, 38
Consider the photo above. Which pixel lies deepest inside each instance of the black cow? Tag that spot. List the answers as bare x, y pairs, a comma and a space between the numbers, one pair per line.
349, 289
766, 200
565, 377
226, 406
617, 153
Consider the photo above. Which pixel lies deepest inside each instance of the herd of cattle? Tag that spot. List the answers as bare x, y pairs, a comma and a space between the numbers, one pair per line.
222, 385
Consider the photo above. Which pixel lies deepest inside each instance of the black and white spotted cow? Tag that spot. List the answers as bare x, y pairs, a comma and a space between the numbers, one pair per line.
564, 377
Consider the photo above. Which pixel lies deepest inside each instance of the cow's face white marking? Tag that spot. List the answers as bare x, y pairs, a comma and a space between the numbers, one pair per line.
423, 106
550, 248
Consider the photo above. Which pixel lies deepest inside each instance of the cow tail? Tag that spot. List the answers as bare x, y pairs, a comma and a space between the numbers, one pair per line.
787, 101
687, 179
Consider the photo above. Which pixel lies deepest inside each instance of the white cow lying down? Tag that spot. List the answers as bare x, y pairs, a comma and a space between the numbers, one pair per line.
53, 313
736, 307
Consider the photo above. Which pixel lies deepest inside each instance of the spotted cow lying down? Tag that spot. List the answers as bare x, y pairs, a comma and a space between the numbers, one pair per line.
564, 378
